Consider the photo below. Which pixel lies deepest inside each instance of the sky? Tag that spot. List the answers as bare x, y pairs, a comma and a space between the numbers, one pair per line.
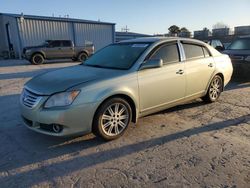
142, 16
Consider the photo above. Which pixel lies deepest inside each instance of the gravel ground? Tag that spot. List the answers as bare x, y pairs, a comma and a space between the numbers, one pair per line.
192, 145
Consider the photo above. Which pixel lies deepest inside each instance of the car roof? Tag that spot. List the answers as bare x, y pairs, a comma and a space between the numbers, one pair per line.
159, 39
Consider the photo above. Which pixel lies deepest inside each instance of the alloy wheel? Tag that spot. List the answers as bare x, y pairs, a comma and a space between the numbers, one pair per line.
215, 88
115, 119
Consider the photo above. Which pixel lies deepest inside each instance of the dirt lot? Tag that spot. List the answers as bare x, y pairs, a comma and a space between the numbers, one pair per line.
193, 145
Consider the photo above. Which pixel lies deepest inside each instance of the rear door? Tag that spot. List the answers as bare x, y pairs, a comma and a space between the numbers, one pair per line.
199, 67
160, 86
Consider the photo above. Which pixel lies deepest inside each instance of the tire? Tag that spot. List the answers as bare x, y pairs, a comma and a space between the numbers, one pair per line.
214, 90
112, 119
37, 59
82, 57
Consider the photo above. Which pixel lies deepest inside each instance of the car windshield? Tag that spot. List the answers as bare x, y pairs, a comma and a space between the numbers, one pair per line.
240, 44
117, 56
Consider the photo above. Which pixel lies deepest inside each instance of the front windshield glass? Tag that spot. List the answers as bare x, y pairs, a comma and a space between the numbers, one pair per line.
117, 56
240, 44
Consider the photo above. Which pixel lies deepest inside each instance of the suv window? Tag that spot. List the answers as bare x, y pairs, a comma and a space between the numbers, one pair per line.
66, 43
216, 43
240, 44
55, 43
168, 53
193, 51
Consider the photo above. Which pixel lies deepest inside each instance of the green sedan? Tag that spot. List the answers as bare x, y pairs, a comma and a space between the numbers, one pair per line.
121, 83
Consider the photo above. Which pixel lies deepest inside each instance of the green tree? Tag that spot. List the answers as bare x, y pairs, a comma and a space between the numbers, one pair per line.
174, 29
184, 29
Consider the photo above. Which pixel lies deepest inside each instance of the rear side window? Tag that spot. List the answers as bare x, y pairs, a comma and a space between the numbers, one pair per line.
66, 43
56, 43
168, 53
193, 51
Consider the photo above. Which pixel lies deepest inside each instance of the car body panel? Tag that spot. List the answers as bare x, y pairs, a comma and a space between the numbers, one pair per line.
162, 82
198, 71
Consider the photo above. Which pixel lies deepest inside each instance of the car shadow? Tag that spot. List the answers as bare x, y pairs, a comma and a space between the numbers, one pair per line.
98, 157
238, 84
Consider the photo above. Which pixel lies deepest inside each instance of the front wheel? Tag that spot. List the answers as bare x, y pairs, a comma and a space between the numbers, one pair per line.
112, 119
214, 90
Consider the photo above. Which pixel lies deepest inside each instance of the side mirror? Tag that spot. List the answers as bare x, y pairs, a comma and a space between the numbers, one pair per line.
220, 48
152, 63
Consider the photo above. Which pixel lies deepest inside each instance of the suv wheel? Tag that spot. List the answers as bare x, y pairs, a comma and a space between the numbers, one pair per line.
37, 59
82, 57
112, 119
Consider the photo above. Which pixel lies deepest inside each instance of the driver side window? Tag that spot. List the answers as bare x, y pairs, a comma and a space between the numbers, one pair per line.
168, 53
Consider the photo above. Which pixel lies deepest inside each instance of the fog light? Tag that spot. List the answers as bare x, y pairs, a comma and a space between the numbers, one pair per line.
57, 128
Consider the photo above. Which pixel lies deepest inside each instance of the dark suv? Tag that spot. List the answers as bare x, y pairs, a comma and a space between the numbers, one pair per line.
239, 52
57, 49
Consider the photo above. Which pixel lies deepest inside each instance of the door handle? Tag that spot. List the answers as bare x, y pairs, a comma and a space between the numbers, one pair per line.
180, 71
210, 65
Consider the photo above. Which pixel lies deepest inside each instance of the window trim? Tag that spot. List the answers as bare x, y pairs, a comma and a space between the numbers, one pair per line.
195, 44
209, 53
153, 51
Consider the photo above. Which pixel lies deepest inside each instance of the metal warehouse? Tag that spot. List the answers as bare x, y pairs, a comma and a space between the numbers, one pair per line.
19, 31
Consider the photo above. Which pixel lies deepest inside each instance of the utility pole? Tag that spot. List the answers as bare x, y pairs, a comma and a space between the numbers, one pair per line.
125, 29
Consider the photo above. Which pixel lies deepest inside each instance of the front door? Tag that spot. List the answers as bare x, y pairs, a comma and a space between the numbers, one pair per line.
53, 51
158, 87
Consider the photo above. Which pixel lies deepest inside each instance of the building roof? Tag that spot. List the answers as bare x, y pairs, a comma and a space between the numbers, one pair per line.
131, 34
55, 18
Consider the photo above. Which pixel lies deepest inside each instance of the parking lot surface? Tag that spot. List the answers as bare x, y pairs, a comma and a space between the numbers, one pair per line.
192, 145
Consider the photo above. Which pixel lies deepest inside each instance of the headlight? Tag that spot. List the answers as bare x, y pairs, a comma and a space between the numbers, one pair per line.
28, 51
61, 99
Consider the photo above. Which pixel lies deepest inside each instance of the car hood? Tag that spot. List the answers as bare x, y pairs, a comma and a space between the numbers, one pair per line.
237, 52
31, 47
62, 79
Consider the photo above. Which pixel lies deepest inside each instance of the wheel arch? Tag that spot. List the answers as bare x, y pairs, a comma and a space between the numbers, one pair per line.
126, 97
39, 52
83, 51
219, 74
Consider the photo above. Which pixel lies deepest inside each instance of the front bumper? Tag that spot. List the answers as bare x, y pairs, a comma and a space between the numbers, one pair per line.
75, 119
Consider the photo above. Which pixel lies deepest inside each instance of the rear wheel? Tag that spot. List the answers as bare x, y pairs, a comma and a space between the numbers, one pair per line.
214, 90
112, 119
37, 59
82, 57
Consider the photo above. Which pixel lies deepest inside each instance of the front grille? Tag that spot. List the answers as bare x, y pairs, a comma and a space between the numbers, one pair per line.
46, 127
237, 57
30, 99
